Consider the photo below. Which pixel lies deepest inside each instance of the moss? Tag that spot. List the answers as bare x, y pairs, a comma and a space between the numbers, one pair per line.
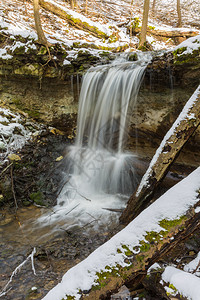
29, 69
144, 246
70, 297
179, 51
26, 202
112, 39
86, 26
173, 292
42, 50
103, 276
186, 58
140, 258
104, 54
19, 50
16, 101
153, 236
127, 252
151, 27
119, 251
33, 114
168, 224
133, 57
171, 286
135, 23
38, 198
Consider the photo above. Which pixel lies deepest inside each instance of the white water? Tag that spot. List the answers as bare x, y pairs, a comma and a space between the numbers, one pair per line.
100, 174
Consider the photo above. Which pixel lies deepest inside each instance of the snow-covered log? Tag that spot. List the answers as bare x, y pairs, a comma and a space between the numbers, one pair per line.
169, 33
76, 19
127, 256
172, 143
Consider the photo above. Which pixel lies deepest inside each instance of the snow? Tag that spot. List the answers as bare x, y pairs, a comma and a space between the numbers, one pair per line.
188, 285
193, 266
191, 44
4, 55
197, 209
155, 266
66, 62
183, 115
173, 204
13, 131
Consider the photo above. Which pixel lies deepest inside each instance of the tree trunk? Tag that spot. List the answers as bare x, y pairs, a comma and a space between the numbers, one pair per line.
179, 13
144, 25
174, 140
153, 6
86, 6
41, 37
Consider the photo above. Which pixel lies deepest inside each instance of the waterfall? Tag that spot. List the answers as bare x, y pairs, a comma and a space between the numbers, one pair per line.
100, 174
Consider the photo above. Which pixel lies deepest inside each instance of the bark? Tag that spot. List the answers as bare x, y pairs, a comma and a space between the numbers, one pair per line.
86, 6
76, 22
153, 6
41, 37
169, 149
144, 24
179, 13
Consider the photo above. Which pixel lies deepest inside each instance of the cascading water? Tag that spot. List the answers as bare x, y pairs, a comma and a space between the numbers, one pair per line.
100, 174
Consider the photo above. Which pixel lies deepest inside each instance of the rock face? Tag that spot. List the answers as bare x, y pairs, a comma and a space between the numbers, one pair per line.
169, 81
50, 100
48, 91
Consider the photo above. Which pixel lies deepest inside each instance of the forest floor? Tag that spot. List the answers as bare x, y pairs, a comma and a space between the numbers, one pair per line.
113, 17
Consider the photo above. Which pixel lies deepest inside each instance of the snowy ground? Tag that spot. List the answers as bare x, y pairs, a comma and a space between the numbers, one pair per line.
16, 18
15, 130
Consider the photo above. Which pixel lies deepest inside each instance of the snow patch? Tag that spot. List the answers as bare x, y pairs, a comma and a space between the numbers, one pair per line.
188, 285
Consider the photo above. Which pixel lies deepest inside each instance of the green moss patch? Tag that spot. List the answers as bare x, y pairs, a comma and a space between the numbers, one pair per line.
168, 224
186, 58
37, 198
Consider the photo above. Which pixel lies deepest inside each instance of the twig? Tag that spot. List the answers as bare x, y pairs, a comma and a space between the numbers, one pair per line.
194, 271
12, 184
84, 196
17, 269
117, 210
89, 223
92, 216
6, 169
72, 209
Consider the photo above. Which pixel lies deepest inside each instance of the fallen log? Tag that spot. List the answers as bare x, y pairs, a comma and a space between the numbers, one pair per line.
167, 33
126, 257
173, 142
75, 19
